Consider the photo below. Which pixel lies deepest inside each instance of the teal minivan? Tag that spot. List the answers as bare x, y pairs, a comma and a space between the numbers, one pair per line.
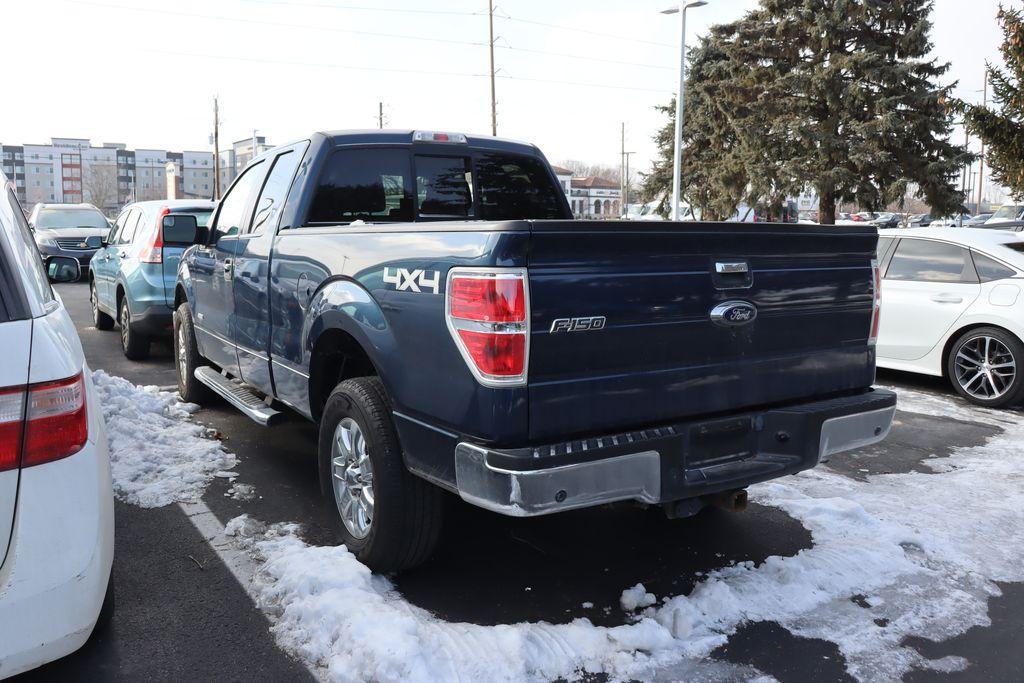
131, 276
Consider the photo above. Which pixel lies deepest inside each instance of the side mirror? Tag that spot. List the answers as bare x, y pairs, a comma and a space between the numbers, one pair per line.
179, 229
94, 242
62, 269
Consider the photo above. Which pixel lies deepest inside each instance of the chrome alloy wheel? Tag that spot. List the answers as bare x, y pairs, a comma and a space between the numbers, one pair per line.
125, 320
352, 474
985, 367
92, 300
182, 354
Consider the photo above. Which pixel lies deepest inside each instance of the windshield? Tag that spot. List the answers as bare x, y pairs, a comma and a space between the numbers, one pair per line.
49, 219
202, 216
1008, 212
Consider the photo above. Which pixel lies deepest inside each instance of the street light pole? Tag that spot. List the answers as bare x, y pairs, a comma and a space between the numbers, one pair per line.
678, 143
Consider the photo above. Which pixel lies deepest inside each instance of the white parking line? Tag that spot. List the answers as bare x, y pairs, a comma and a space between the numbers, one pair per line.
239, 563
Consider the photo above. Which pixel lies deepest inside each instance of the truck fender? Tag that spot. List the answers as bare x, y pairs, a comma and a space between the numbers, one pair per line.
345, 305
183, 285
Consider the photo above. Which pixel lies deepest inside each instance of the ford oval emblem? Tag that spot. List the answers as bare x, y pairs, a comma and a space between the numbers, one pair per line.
733, 313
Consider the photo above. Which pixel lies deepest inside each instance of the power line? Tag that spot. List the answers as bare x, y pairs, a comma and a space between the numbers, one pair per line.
562, 27
366, 8
421, 72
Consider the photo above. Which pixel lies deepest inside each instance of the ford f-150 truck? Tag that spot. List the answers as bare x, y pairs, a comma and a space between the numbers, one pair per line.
428, 301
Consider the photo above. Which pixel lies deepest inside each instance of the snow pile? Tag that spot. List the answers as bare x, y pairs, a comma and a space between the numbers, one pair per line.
897, 555
157, 456
636, 598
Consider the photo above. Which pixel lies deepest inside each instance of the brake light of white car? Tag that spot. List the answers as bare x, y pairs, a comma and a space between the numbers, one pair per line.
487, 312
154, 253
876, 301
42, 422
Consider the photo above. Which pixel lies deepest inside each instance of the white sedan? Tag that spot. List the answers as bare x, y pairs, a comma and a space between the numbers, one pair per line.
56, 499
952, 307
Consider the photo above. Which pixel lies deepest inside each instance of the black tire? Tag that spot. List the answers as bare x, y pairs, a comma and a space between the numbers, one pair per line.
134, 344
187, 358
407, 511
100, 320
959, 364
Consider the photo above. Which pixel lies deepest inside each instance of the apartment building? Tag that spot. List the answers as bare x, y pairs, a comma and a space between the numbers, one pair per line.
71, 170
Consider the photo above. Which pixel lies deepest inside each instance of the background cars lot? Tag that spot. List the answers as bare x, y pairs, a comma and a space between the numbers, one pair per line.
62, 230
181, 611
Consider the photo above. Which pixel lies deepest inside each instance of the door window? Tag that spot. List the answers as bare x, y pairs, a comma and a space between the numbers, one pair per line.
930, 261
234, 207
275, 190
363, 185
444, 187
115, 230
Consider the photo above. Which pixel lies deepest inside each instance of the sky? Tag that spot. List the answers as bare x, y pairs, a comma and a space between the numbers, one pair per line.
570, 72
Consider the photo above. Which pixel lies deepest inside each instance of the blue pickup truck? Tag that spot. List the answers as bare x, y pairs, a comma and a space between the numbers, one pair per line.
427, 300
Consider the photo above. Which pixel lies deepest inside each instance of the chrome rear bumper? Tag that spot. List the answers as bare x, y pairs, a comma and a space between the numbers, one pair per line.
672, 464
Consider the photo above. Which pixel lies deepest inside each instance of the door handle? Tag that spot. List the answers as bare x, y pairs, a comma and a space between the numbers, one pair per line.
227, 269
947, 299
122, 254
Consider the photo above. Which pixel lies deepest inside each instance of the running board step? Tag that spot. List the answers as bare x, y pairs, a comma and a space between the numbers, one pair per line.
239, 395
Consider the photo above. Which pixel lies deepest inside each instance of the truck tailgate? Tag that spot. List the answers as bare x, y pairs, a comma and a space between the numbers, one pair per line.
659, 355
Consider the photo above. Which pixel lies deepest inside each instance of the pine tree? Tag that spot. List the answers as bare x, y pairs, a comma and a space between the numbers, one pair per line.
1003, 130
839, 95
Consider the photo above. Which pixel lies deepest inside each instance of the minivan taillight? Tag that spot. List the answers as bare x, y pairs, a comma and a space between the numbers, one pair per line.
154, 253
488, 315
876, 302
42, 422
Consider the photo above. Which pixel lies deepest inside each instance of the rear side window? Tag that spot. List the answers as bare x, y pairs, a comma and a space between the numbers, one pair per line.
444, 187
130, 225
883, 247
363, 185
516, 187
37, 282
275, 190
989, 269
928, 261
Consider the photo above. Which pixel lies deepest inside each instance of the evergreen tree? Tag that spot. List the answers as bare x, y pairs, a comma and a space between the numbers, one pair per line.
839, 95
1003, 130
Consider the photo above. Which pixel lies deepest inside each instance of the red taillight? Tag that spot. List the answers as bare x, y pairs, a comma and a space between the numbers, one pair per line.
12, 418
154, 253
488, 300
42, 422
876, 303
488, 315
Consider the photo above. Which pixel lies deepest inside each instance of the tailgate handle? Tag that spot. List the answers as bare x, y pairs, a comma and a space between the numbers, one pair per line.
730, 267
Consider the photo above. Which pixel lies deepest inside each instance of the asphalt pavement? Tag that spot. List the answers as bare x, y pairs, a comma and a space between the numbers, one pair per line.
180, 613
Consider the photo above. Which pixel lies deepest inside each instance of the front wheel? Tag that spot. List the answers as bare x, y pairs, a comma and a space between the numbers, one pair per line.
134, 344
388, 518
100, 320
985, 364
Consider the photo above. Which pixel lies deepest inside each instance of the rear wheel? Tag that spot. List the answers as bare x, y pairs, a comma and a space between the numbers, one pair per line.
187, 358
985, 367
100, 320
388, 518
134, 344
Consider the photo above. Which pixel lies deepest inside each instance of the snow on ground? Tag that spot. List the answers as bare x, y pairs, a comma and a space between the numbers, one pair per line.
157, 455
897, 555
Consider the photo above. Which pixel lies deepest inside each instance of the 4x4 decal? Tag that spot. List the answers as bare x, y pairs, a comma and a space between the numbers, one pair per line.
416, 280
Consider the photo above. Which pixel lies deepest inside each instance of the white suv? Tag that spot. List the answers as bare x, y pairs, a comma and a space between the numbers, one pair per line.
56, 499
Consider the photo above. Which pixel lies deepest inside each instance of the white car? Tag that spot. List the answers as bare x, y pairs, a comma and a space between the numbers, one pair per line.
1006, 213
56, 498
952, 306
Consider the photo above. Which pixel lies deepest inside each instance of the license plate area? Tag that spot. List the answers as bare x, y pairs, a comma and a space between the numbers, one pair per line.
718, 442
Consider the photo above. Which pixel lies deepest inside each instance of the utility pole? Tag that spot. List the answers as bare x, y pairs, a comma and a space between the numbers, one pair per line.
981, 169
624, 171
254, 151
380, 115
494, 104
216, 150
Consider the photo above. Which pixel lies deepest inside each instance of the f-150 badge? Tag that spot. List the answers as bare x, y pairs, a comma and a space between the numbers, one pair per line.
412, 280
577, 324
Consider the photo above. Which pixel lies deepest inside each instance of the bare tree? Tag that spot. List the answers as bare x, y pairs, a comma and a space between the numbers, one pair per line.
99, 183
582, 169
